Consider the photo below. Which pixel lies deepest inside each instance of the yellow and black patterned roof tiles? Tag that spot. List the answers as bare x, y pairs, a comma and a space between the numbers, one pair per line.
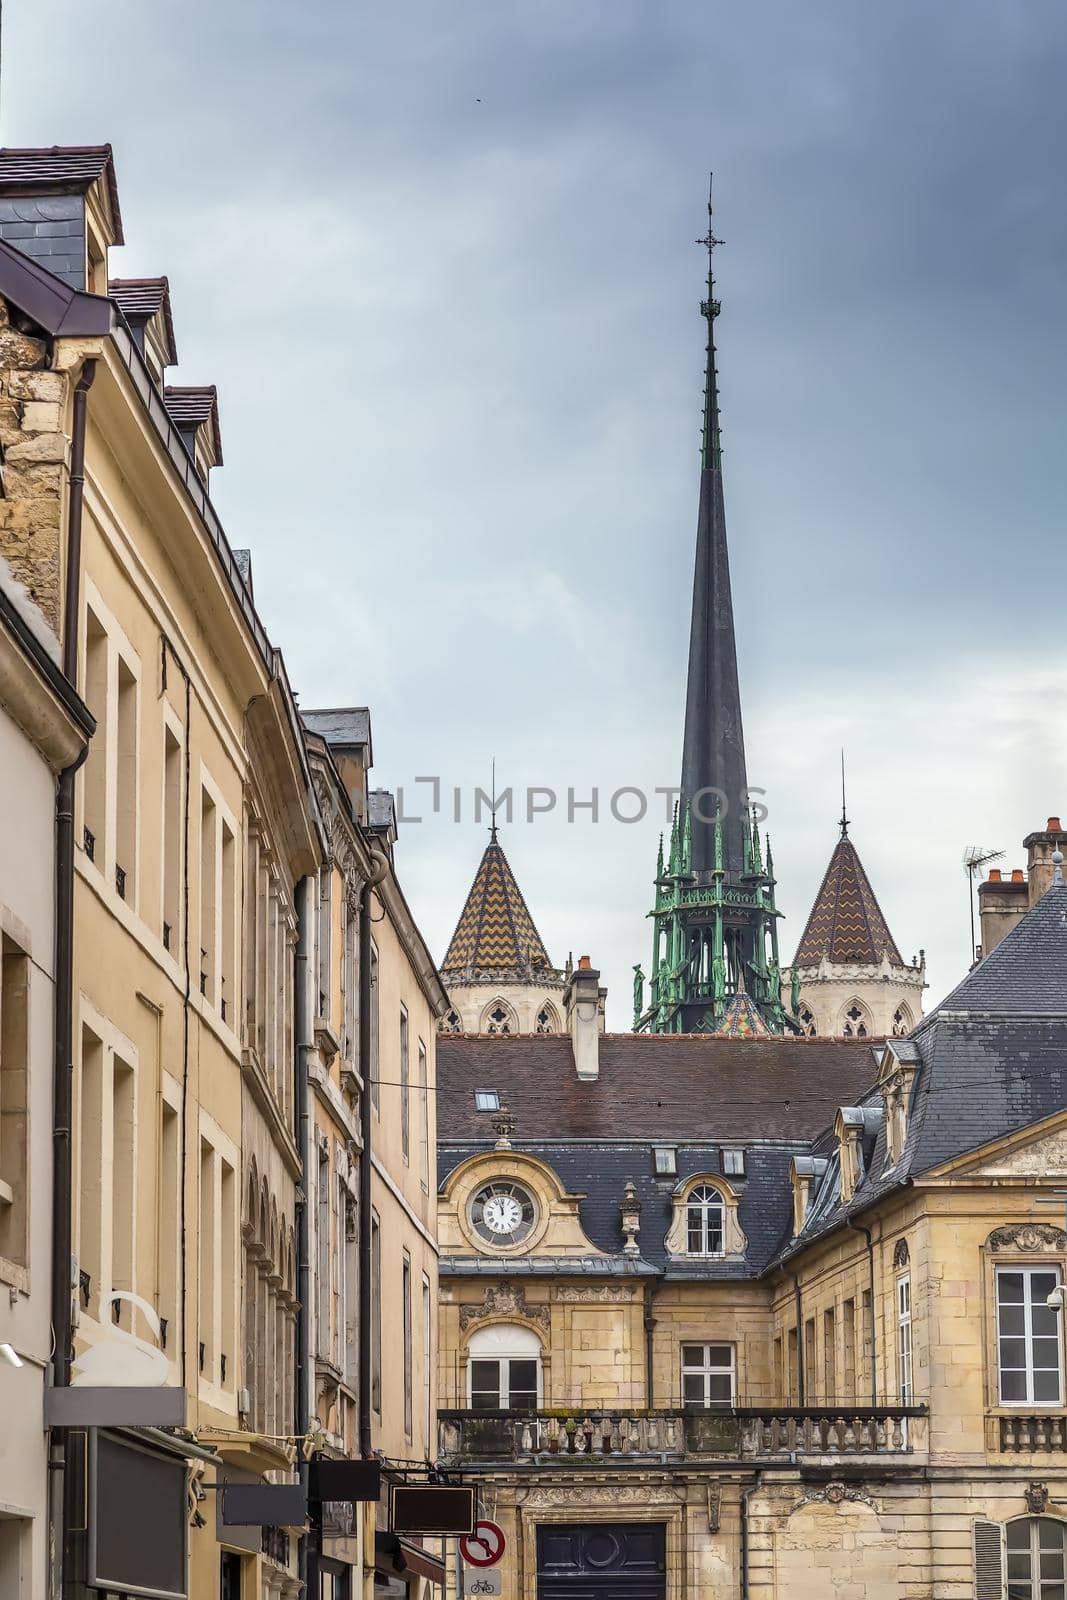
495, 932
846, 923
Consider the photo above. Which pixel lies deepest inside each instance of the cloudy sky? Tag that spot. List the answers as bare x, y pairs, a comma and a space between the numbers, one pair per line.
437, 255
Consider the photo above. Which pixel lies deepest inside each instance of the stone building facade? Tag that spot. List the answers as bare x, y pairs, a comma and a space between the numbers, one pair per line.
799, 1335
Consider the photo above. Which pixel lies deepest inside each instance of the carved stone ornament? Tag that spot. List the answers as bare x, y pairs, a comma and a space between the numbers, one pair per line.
900, 1253
714, 1505
600, 1294
1028, 1236
504, 1300
1037, 1498
580, 1495
835, 1494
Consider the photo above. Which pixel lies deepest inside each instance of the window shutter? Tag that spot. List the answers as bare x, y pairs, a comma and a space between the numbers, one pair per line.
988, 1561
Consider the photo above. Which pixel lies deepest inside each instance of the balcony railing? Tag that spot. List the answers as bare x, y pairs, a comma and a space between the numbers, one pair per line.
748, 1433
1018, 1433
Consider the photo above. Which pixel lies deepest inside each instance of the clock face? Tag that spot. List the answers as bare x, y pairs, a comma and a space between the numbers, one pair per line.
503, 1213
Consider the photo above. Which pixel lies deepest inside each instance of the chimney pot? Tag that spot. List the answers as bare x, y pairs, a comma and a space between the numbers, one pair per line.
1017, 875
584, 963
994, 874
582, 1005
1054, 825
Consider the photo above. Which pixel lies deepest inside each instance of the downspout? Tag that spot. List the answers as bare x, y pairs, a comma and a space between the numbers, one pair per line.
63, 1001
746, 1495
367, 1067
857, 1227
801, 1397
309, 1552
650, 1329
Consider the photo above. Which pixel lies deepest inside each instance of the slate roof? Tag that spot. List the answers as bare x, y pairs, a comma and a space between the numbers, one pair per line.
496, 933
70, 169
189, 405
141, 299
344, 726
677, 1086
600, 1173
846, 922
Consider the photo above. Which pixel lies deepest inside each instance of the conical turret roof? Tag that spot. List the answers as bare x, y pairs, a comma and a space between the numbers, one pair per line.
496, 933
846, 922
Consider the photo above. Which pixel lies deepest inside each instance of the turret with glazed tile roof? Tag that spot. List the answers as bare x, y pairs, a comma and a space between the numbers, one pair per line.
497, 971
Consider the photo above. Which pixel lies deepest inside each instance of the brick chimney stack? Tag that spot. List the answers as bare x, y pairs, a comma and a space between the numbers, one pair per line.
1005, 898
583, 1001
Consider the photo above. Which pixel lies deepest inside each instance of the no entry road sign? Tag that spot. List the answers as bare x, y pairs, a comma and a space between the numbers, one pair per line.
483, 1547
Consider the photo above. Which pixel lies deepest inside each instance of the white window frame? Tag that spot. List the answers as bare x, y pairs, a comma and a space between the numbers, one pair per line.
504, 1343
1035, 1584
710, 1201
1051, 1269
905, 1363
733, 1163
706, 1369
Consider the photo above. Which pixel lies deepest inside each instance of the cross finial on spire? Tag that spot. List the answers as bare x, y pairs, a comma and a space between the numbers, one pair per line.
492, 805
844, 813
709, 308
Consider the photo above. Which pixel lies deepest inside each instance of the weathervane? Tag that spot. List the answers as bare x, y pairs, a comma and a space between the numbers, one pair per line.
844, 813
710, 307
492, 805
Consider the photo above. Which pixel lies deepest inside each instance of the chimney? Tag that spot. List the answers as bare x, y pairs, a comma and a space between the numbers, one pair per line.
1039, 848
60, 207
583, 1001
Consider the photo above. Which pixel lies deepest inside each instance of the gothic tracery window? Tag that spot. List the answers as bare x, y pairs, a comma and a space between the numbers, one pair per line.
498, 1019
547, 1020
902, 1022
855, 1023
807, 1022
450, 1023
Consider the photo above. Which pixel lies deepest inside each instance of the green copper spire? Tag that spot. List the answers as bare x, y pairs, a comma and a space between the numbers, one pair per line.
710, 448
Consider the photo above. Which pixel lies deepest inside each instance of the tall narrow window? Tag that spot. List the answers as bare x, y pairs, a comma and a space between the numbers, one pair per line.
14, 1132
829, 1355
376, 1315
372, 1064
337, 1342
809, 1360
95, 782
227, 1282
322, 1340
325, 939
90, 1173
227, 982
864, 1363
1028, 1337
123, 1184
792, 1383
705, 1215
904, 1385
778, 1372
126, 785
848, 1349
708, 1374
169, 1203
427, 1365
207, 1261
405, 1088
351, 1363
173, 842
424, 1120
408, 1356
208, 936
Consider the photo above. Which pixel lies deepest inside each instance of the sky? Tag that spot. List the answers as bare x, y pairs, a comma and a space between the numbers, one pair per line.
439, 258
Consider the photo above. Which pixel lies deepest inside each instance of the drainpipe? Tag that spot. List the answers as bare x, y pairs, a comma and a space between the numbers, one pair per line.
650, 1328
63, 1013
367, 1067
801, 1397
857, 1227
309, 1546
746, 1495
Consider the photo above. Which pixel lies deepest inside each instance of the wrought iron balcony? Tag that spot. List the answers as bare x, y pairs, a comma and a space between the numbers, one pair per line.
741, 1433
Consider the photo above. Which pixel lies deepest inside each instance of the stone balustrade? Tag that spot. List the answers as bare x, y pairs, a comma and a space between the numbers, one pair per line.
1019, 1433
741, 1433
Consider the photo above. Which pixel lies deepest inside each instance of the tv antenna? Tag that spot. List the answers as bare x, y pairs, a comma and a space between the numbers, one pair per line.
975, 857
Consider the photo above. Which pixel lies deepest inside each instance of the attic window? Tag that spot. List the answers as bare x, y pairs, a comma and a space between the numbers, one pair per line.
665, 1161
733, 1163
486, 1100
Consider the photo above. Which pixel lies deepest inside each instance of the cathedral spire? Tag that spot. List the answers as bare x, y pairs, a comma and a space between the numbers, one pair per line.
713, 750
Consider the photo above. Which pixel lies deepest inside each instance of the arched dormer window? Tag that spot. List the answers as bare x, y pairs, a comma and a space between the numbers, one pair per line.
856, 1022
498, 1017
450, 1023
547, 1019
504, 1369
705, 1222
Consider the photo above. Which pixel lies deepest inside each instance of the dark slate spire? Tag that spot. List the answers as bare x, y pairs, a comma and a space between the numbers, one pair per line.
713, 750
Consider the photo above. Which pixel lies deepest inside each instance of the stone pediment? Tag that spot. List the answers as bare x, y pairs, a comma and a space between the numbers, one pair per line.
1036, 1152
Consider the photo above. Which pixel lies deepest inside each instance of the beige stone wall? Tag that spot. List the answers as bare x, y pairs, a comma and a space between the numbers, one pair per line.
829, 992
473, 1002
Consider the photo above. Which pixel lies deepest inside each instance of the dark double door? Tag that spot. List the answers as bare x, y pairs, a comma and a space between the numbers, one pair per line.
602, 1561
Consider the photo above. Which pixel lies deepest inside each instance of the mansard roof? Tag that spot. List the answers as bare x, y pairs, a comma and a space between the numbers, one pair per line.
495, 935
846, 924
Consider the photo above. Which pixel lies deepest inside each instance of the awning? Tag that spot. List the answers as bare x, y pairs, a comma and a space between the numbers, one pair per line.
395, 1555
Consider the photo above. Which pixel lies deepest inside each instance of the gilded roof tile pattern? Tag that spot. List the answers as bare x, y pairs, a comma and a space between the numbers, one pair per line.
846, 922
495, 932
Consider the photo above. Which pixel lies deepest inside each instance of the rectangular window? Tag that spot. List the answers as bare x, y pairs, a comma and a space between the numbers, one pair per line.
733, 1163
126, 784
322, 1340
90, 1170
848, 1349
123, 1187
427, 1364
376, 1315
207, 1261
507, 1384
904, 1385
168, 1228
829, 1355
208, 939
809, 1360
350, 985
351, 1291
14, 1069
94, 791
486, 1100
375, 1086
708, 1375
408, 1356
227, 1283
405, 1089
227, 984
1028, 1337
325, 939
868, 1336
665, 1161
173, 842
778, 1375
424, 1120
792, 1383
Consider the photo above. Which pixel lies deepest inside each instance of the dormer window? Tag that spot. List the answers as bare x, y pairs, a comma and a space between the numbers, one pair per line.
804, 1174
856, 1127
705, 1222
896, 1074
665, 1161
486, 1100
733, 1163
